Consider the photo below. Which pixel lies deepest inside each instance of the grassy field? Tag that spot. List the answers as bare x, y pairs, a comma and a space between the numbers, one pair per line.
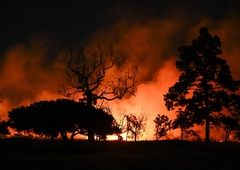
173, 154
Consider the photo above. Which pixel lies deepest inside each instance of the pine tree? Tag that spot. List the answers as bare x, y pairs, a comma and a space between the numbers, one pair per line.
205, 81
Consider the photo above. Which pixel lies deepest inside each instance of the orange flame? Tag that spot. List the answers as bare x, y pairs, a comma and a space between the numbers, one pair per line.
27, 75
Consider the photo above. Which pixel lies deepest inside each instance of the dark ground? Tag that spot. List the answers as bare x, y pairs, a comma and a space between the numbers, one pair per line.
44, 154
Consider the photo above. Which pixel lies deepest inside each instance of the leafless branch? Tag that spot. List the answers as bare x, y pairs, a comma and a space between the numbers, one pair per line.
87, 70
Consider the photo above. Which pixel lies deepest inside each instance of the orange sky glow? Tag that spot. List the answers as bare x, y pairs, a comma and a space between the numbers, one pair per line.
28, 76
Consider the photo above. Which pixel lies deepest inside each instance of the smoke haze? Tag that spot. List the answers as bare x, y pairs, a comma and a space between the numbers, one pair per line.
28, 74
147, 36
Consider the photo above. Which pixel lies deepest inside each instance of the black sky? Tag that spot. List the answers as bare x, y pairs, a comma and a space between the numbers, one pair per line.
74, 20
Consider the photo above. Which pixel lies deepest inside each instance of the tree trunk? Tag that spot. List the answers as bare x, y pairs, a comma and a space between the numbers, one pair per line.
90, 135
206, 101
64, 136
73, 134
228, 132
207, 110
182, 134
135, 137
89, 105
207, 135
66, 140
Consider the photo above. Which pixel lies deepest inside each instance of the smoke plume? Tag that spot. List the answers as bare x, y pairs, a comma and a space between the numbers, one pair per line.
33, 71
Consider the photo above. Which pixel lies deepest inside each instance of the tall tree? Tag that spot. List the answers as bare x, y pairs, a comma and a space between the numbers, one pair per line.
86, 76
204, 83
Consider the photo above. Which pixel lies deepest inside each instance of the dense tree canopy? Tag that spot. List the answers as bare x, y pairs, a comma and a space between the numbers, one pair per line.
185, 121
229, 122
4, 128
62, 116
205, 81
162, 126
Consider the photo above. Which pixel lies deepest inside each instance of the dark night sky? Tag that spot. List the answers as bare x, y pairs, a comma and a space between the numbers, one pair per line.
77, 20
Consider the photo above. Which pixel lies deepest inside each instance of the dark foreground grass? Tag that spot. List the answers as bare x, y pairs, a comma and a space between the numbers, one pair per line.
174, 154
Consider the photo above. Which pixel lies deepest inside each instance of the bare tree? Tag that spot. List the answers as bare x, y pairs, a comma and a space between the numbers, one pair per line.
122, 124
135, 125
86, 76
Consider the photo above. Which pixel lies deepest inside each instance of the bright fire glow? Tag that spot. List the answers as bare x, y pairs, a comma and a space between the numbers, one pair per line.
27, 76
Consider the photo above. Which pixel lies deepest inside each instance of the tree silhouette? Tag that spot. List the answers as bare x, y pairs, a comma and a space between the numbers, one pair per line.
20, 119
185, 122
229, 123
45, 118
122, 124
62, 116
86, 75
234, 109
204, 83
4, 128
104, 124
135, 126
162, 126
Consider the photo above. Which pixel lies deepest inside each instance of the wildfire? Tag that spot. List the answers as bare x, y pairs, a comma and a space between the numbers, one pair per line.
28, 74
